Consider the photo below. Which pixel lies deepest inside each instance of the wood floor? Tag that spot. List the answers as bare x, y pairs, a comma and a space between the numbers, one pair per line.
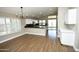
34, 43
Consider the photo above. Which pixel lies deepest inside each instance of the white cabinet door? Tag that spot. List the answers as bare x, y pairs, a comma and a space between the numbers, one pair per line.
71, 16
67, 38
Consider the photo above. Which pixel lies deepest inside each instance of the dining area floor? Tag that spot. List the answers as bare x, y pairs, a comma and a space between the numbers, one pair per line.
34, 43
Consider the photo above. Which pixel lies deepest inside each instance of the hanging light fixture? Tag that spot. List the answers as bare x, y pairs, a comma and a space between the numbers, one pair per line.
20, 13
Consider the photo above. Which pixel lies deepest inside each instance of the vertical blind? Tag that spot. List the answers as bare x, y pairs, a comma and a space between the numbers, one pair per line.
9, 25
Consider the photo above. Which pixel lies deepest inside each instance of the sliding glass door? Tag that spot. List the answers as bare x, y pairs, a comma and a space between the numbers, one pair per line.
52, 24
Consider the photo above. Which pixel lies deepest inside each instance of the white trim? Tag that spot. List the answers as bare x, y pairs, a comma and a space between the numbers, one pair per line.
19, 35
76, 49
12, 38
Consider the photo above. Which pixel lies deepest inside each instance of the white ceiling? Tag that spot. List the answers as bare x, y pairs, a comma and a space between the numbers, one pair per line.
30, 11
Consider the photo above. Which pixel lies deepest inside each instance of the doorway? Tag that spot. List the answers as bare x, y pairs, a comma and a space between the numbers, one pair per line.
51, 31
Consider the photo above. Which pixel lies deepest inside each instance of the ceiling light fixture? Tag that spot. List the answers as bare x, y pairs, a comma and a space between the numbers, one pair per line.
20, 13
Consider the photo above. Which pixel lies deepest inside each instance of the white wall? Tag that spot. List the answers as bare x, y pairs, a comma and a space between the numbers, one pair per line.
61, 17
77, 32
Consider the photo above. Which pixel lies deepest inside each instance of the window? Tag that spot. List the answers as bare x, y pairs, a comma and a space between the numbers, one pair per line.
18, 25
52, 23
9, 25
2, 24
15, 25
42, 22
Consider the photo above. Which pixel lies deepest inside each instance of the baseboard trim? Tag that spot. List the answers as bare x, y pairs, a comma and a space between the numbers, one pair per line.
12, 38
18, 36
77, 50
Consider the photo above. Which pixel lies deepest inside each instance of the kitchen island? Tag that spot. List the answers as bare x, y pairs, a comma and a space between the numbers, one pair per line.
36, 31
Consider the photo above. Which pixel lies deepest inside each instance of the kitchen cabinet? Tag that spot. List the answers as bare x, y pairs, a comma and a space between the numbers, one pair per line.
71, 16
67, 37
